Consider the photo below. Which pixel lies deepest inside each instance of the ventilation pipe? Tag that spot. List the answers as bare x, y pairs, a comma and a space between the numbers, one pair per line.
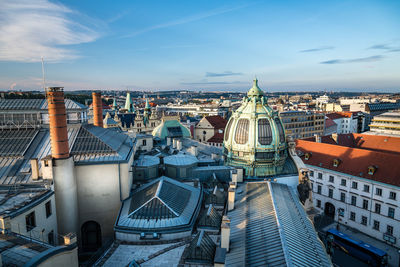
231, 197
97, 109
63, 167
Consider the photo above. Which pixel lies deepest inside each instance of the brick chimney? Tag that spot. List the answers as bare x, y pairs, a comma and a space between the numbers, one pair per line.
58, 122
97, 109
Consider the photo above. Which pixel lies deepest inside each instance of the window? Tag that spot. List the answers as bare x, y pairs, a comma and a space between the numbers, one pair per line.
311, 173
319, 175
331, 179
144, 142
352, 216
392, 195
343, 182
363, 220
50, 237
376, 225
366, 188
343, 197
319, 189
228, 128
378, 191
280, 130
30, 221
365, 204
354, 185
242, 131
318, 203
330, 193
377, 208
264, 132
48, 209
389, 230
353, 200
391, 212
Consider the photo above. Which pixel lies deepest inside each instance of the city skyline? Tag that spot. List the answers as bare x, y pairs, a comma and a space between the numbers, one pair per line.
215, 46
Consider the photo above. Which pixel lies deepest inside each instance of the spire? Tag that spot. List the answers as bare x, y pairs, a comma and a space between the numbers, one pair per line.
147, 106
114, 105
128, 101
255, 90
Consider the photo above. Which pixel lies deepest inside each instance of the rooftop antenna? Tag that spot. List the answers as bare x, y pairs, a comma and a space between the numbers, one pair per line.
44, 81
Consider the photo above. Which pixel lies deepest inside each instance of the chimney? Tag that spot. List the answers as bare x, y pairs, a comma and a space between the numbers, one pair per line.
317, 138
335, 137
225, 232
70, 239
58, 123
97, 109
179, 145
234, 176
174, 142
168, 141
35, 169
231, 197
239, 175
193, 151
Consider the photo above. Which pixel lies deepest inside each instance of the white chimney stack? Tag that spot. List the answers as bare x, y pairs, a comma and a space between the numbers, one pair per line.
174, 142
317, 138
225, 232
35, 169
231, 197
194, 151
168, 141
179, 145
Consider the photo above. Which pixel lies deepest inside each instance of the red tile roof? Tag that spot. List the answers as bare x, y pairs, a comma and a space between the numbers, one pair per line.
217, 138
217, 121
337, 115
364, 141
353, 161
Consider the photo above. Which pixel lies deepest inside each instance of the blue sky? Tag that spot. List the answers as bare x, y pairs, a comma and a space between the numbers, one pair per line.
201, 45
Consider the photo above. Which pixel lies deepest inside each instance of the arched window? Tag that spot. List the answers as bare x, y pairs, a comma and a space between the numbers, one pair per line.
264, 132
242, 131
280, 130
228, 129
91, 236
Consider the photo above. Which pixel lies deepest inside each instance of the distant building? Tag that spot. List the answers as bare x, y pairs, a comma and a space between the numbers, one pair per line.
210, 130
321, 101
31, 113
387, 123
330, 126
372, 109
356, 181
348, 122
302, 124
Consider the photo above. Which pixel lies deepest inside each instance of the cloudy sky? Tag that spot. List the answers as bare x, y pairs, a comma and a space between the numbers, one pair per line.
201, 45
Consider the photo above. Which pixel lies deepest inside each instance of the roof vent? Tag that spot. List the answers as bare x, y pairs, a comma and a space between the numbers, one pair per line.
336, 162
372, 170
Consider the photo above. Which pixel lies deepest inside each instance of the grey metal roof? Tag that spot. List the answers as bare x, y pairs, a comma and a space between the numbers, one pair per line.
147, 161
201, 250
161, 204
210, 219
35, 104
88, 145
180, 160
270, 228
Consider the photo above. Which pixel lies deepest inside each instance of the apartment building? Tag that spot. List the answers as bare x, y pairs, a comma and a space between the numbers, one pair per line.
303, 124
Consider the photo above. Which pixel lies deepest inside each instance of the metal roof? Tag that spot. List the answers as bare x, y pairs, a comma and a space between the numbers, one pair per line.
162, 204
88, 145
35, 104
180, 160
269, 227
200, 250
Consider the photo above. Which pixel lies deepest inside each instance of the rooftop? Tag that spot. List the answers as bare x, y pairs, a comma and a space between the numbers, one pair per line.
269, 227
354, 161
216, 121
36, 104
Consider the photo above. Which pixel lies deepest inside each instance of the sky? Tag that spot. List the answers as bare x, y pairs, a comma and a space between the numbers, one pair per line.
200, 45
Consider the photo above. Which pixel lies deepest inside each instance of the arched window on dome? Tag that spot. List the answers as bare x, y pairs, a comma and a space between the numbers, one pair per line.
264, 132
228, 129
242, 131
280, 130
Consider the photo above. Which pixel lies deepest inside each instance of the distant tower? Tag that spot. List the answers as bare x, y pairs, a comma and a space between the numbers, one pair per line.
65, 188
147, 112
114, 105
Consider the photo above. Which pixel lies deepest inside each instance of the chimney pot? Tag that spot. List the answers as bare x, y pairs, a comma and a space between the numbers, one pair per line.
97, 109
58, 122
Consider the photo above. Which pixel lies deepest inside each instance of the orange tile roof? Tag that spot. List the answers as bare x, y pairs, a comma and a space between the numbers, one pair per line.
353, 161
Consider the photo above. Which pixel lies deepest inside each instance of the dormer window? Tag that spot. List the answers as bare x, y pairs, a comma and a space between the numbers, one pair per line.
336, 162
372, 170
307, 155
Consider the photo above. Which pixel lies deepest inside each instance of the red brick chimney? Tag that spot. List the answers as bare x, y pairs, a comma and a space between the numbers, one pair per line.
97, 109
58, 123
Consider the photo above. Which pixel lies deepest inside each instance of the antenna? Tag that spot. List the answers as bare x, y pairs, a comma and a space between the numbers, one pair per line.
44, 82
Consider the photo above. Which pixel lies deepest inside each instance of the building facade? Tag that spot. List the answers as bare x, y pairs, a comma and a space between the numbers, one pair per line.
210, 129
356, 182
303, 124
387, 123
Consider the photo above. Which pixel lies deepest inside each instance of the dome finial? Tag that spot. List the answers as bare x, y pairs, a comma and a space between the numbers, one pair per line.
255, 90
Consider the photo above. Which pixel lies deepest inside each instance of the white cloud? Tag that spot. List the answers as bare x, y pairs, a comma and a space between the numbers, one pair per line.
32, 29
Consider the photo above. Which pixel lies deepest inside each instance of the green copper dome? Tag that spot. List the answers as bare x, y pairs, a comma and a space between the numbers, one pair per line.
255, 138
